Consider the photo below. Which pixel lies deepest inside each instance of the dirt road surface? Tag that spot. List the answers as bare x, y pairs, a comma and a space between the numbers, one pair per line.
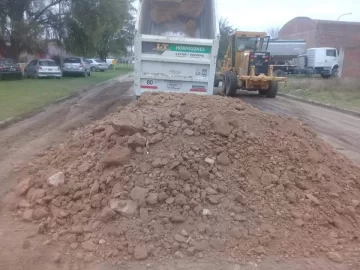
342, 131
21, 248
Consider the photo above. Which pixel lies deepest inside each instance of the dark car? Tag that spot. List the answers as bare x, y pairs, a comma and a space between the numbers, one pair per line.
9, 69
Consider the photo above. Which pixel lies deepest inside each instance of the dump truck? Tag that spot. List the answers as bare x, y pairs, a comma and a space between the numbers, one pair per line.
247, 66
176, 46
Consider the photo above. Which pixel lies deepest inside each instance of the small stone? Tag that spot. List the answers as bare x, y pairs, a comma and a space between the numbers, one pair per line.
74, 246
22, 187
206, 212
299, 222
184, 173
184, 233
79, 229
223, 159
126, 208
156, 138
162, 196
240, 218
179, 238
140, 252
335, 257
89, 258
313, 199
57, 258
217, 244
27, 215
235, 233
306, 217
210, 191
102, 241
26, 244
214, 199
170, 200
83, 168
181, 200
136, 140
260, 250
56, 180
144, 167
80, 256
221, 126
178, 255
152, 199
106, 215
144, 213
178, 219
39, 213
210, 161
138, 193
117, 156
188, 132
89, 246
94, 189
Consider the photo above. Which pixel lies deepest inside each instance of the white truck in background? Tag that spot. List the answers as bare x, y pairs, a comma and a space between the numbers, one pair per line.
292, 57
176, 46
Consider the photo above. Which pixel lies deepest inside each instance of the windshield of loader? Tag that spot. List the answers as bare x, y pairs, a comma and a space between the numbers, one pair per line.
252, 43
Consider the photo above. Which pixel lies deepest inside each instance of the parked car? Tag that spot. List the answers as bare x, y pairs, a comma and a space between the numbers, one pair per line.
109, 62
9, 69
97, 65
76, 66
42, 68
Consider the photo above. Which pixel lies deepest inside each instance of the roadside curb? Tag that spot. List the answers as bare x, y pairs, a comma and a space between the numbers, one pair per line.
13, 120
316, 103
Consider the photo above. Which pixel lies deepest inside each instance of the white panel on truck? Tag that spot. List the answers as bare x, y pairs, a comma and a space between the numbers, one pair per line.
176, 48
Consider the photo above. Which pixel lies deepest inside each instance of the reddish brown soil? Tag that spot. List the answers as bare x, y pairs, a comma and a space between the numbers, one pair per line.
188, 176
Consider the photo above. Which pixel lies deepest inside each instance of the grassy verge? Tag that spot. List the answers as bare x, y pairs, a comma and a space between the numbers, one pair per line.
343, 93
22, 96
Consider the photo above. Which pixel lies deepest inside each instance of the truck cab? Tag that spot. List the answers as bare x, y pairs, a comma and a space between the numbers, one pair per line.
324, 61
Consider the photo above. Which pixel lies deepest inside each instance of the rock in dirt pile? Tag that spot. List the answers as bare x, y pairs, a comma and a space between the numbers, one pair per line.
178, 176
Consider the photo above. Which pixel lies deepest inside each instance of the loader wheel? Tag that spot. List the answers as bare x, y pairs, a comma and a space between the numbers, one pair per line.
273, 89
263, 92
231, 84
225, 79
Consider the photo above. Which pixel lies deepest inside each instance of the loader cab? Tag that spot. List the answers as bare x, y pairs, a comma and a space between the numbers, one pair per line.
248, 49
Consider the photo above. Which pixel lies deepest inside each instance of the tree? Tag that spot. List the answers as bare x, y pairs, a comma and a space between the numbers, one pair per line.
225, 30
273, 32
22, 24
99, 26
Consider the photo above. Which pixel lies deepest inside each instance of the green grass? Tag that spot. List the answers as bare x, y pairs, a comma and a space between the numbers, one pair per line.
343, 93
22, 96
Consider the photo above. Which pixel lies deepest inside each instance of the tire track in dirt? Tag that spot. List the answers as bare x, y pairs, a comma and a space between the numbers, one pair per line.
23, 141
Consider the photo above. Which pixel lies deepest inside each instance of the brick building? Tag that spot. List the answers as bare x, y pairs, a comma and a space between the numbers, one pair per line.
345, 36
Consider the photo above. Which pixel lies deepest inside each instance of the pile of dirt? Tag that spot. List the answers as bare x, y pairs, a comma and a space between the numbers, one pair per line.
175, 175
167, 11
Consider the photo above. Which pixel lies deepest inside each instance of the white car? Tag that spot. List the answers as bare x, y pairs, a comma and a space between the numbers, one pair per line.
42, 68
97, 65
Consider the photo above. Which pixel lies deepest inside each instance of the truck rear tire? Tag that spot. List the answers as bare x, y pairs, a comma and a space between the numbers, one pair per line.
279, 73
225, 79
263, 92
216, 81
232, 84
273, 89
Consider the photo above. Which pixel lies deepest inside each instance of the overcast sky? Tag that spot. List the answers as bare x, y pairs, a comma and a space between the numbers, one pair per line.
259, 15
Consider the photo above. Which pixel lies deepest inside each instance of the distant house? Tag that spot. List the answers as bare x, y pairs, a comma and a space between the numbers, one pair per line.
345, 36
